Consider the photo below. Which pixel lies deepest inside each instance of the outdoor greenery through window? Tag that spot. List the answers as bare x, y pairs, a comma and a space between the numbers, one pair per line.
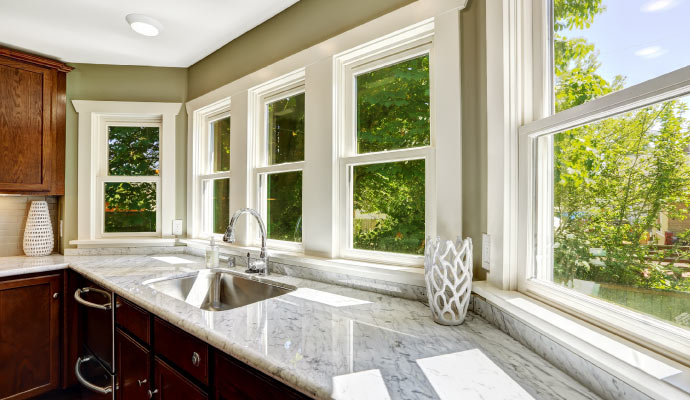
286, 130
217, 183
284, 206
284, 144
393, 113
131, 206
621, 186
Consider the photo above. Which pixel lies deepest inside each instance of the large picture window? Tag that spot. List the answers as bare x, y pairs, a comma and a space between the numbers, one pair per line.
386, 151
611, 169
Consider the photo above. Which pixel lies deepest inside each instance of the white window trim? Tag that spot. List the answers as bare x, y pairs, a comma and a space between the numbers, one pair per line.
259, 98
93, 116
321, 184
517, 52
198, 164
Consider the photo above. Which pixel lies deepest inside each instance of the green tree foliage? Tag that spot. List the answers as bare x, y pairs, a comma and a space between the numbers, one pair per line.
614, 178
284, 198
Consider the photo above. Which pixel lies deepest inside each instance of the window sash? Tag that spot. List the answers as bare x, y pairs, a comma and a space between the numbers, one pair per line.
261, 176
536, 193
100, 201
263, 140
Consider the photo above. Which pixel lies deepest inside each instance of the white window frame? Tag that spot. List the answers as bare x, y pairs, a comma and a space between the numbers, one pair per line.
102, 177
208, 176
260, 97
94, 116
535, 207
378, 57
199, 215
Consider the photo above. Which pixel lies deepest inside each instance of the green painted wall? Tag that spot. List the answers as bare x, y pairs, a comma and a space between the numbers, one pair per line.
121, 83
303, 25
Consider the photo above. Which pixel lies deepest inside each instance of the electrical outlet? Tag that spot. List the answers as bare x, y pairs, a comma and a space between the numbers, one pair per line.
486, 251
177, 227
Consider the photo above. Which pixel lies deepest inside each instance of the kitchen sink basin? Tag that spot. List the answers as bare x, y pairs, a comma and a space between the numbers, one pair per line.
217, 289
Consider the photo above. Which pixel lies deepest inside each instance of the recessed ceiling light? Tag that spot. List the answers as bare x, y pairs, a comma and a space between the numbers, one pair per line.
144, 25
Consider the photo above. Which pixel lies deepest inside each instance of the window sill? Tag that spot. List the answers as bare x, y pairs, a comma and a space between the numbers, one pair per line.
646, 371
385, 272
125, 242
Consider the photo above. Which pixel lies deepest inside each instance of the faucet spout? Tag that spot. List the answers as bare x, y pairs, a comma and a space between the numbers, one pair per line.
229, 235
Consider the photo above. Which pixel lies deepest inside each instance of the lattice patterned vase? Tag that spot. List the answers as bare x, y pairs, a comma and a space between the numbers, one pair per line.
448, 275
38, 234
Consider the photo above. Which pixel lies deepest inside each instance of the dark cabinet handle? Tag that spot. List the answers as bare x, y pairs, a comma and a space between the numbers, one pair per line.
152, 393
196, 359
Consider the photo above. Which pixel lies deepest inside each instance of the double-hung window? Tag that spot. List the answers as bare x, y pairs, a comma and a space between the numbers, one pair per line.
607, 197
129, 179
214, 180
279, 161
385, 155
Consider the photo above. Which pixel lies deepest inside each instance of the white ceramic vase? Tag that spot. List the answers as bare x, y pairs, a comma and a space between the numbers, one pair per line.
38, 234
448, 275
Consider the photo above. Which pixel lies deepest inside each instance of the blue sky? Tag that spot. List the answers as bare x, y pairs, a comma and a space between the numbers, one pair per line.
640, 39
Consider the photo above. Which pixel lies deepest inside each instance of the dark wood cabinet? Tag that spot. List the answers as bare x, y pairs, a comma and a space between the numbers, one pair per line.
235, 381
182, 349
171, 385
29, 335
32, 124
133, 364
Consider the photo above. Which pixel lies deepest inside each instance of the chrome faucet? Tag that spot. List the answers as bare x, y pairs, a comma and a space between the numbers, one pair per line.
261, 265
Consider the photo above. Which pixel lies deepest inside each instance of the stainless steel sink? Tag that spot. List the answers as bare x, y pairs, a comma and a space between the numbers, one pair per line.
217, 289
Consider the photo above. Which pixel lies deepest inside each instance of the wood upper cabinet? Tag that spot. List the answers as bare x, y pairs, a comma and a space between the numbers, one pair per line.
29, 336
32, 124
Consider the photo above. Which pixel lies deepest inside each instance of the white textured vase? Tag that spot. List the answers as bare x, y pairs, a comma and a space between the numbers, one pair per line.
448, 275
38, 234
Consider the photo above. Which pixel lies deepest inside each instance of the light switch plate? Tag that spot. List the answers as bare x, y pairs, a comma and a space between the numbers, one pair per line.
177, 227
486, 251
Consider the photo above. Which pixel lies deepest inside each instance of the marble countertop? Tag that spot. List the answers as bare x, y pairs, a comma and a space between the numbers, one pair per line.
10, 266
330, 341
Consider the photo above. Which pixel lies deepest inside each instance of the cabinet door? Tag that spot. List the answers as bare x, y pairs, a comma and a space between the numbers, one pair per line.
132, 368
29, 336
27, 127
171, 385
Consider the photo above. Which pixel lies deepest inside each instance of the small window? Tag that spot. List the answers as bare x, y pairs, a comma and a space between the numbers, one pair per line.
131, 186
215, 177
386, 155
280, 169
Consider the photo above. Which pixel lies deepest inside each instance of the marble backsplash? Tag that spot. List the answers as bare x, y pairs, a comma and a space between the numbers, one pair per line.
13, 213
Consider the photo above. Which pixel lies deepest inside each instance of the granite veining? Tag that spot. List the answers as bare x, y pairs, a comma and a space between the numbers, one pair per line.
325, 348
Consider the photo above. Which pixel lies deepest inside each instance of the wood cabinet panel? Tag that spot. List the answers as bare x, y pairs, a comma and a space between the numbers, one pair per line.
133, 319
171, 385
32, 124
29, 338
235, 380
132, 365
182, 349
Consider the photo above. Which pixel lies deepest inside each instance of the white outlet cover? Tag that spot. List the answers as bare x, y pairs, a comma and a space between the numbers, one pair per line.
177, 227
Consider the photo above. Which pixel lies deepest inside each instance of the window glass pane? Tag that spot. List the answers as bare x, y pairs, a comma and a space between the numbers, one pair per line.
389, 207
220, 145
133, 150
284, 206
621, 201
286, 130
393, 107
130, 207
221, 205
604, 45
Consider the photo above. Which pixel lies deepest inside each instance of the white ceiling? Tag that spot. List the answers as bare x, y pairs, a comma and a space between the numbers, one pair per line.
95, 31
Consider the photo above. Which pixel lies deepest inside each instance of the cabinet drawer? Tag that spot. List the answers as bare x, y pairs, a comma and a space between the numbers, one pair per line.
236, 380
171, 385
133, 319
182, 349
